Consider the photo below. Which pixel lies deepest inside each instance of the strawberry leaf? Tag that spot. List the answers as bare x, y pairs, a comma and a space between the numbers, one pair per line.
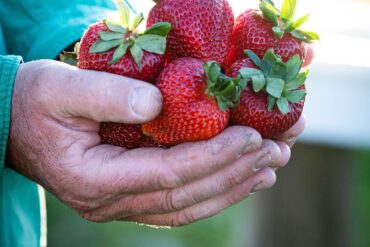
296, 96
137, 54
213, 71
283, 105
119, 53
288, 9
275, 87
123, 13
114, 27
152, 43
300, 21
279, 70
269, 12
258, 82
278, 31
269, 59
298, 81
137, 21
271, 103
160, 28
253, 56
305, 36
293, 67
106, 36
103, 46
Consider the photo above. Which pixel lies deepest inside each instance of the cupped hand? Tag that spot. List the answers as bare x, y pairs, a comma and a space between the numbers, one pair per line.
56, 111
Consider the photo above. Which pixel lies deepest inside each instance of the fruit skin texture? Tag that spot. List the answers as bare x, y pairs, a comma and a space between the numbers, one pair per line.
200, 29
252, 31
152, 64
125, 135
189, 114
253, 110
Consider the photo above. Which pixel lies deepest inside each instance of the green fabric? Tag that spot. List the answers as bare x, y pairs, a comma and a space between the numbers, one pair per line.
33, 29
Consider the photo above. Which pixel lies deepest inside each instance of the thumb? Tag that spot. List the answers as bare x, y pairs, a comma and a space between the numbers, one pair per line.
106, 97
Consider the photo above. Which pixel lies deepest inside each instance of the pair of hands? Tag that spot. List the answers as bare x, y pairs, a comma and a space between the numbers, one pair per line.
56, 111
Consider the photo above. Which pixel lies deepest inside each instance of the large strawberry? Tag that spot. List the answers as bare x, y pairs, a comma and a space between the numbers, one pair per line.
270, 28
274, 98
196, 98
200, 29
121, 49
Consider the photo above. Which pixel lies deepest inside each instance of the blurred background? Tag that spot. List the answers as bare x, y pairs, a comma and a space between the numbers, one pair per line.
323, 197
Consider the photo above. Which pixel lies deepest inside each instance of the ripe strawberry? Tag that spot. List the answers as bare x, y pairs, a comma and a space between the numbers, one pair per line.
196, 97
120, 49
270, 28
200, 29
274, 100
125, 135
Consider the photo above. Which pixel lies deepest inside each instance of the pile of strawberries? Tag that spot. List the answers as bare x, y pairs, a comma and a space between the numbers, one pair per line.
211, 70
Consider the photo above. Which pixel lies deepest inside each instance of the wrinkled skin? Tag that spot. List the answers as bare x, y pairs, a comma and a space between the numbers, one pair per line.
54, 141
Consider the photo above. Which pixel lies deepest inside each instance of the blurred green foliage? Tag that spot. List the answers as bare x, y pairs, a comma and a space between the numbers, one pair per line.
66, 228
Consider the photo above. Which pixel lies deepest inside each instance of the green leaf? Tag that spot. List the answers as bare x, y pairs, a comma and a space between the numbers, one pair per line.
253, 56
300, 21
258, 82
283, 105
269, 12
123, 12
114, 27
278, 31
279, 70
119, 53
103, 46
294, 65
268, 60
213, 71
296, 96
160, 28
298, 81
271, 103
106, 36
137, 21
248, 73
305, 36
287, 11
152, 43
137, 53
275, 87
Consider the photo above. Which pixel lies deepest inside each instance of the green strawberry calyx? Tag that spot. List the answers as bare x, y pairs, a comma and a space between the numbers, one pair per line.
123, 36
282, 81
283, 20
70, 57
224, 89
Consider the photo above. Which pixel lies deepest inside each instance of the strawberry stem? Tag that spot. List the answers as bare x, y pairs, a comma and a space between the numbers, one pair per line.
224, 89
281, 81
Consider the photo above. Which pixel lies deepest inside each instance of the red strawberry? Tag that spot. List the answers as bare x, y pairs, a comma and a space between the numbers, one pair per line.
200, 29
274, 101
195, 101
125, 135
267, 29
120, 49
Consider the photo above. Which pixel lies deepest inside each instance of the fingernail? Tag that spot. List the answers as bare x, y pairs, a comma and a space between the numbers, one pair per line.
263, 161
258, 187
142, 101
292, 139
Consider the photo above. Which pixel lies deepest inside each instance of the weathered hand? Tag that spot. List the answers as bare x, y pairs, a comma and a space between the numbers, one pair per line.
54, 141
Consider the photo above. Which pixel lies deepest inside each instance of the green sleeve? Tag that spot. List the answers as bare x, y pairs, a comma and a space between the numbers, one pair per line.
38, 29
8, 70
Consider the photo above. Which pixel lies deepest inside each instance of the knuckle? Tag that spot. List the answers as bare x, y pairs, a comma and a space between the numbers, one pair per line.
168, 203
233, 179
183, 218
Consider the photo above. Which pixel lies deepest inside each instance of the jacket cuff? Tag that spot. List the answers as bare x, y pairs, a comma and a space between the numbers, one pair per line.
8, 71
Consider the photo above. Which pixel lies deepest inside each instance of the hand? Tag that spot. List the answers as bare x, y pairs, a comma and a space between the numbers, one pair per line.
54, 141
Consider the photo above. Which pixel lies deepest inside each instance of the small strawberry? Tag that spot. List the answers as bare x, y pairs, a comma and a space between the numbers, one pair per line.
274, 100
120, 49
200, 29
270, 28
196, 98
